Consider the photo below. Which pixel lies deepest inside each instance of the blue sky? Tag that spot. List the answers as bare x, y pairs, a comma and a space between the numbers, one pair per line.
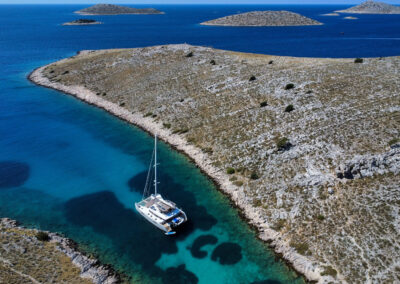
133, 2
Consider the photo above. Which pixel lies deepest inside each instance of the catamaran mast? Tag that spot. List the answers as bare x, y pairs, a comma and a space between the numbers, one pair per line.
155, 164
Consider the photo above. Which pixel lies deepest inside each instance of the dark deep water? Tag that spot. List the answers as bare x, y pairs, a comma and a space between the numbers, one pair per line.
71, 168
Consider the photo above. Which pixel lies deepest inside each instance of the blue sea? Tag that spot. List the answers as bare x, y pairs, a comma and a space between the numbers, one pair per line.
74, 169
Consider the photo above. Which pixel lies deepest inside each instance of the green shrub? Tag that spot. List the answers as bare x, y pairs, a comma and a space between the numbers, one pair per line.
190, 54
301, 248
167, 125
321, 217
270, 62
329, 270
212, 62
121, 104
358, 60
279, 224
394, 141
263, 104
148, 114
283, 144
208, 150
233, 178
42, 236
254, 176
309, 92
289, 86
289, 108
252, 78
104, 94
230, 171
257, 202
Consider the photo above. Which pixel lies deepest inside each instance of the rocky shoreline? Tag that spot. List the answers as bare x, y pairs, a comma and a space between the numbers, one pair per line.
89, 268
311, 270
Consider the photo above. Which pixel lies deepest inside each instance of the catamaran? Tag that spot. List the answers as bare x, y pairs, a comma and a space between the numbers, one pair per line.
162, 213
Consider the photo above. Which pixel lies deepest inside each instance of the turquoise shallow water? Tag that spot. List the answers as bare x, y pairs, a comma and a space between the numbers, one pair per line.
74, 169
78, 171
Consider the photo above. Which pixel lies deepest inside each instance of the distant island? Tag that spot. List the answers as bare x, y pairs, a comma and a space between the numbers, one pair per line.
372, 7
350, 18
109, 9
82, 22
263, 18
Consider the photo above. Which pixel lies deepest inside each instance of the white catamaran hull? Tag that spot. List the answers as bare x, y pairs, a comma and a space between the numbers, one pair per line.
161, 227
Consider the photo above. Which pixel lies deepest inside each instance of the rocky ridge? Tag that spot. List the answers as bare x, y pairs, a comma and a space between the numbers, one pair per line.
287, 126
372, 7
263, 18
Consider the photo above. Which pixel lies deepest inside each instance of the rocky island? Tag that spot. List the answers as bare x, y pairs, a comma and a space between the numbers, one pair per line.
82, 22
263, 18
32, 256
372, 7
308, 149
110, 9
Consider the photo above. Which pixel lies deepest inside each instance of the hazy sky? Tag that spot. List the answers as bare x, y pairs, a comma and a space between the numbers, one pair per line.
133, 2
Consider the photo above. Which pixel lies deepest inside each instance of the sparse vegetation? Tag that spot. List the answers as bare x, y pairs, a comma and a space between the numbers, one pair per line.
289, 86
252, 78
321, 217
230, 171
254, 175
358, 60
289, 108
43, 236
148, 114
283, 144
263, 104
257, 202
279, 224
212, 62
270, 62
238, 183
301, 248
167, 125
394, 141
190, 54
329, 270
